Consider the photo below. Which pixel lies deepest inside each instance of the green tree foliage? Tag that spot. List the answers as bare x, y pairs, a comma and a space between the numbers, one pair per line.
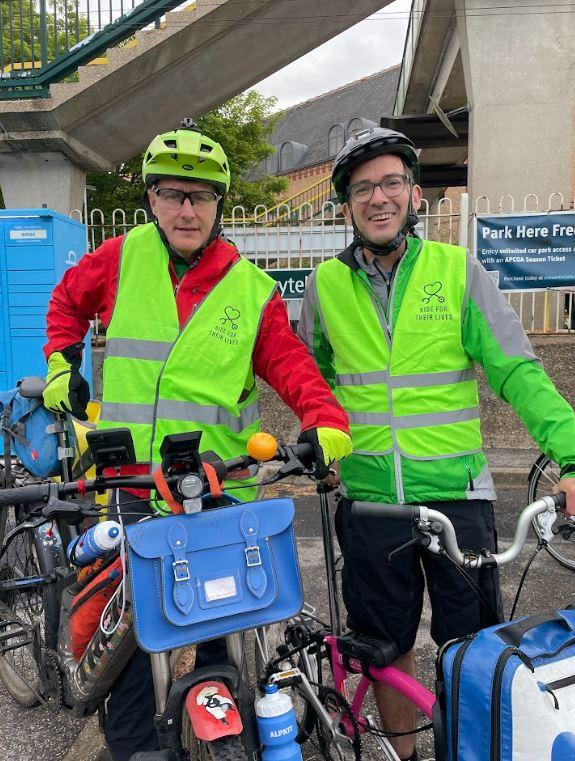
22, 31
242, 126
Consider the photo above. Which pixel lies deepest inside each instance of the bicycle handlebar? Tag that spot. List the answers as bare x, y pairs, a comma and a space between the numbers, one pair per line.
423, 517
296, 455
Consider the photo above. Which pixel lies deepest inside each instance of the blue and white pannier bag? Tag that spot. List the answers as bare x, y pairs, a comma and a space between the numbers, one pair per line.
507, 693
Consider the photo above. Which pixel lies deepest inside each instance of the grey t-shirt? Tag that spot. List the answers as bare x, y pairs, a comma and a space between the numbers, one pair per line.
379, 277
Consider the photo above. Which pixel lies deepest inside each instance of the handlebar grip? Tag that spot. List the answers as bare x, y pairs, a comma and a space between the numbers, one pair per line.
560, 500
383, 510
24, 495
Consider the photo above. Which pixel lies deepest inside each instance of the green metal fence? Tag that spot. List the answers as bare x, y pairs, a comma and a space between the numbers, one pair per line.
45, 41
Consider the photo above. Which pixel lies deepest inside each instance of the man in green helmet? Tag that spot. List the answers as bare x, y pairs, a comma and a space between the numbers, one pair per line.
396, 324
189, 324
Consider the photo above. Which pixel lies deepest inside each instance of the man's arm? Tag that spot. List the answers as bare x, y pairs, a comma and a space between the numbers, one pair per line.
85, 290
494, 337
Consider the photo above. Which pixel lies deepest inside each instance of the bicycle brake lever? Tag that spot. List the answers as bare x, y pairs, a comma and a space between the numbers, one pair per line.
418, 538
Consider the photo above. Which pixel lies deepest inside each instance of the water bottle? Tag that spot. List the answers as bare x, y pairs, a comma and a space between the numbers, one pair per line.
277, 726
95, 542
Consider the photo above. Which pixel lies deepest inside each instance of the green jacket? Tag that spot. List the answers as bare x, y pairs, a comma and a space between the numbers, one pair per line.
492, 336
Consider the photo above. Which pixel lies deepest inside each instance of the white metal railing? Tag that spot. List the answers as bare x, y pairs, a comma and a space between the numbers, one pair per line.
303, 241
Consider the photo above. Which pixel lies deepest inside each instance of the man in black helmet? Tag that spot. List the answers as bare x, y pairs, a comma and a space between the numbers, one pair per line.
396, 324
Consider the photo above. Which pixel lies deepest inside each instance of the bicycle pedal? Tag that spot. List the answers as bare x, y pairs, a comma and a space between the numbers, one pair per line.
286, 678
13, 639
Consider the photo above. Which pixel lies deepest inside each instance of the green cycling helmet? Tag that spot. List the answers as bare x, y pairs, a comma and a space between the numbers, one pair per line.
187, 154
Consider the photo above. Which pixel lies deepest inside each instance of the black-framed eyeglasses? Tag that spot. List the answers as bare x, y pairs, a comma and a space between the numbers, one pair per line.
174, 199
392, 185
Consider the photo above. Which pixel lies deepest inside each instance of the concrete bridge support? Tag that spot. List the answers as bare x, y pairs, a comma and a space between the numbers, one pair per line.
33, 179
518, 65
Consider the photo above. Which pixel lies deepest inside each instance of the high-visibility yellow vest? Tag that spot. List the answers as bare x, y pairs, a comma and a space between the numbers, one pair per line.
410, 387
161, 380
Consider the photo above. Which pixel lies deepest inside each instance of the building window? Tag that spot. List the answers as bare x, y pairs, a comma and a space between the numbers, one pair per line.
354, 126
335, 139
286, 157
271, 163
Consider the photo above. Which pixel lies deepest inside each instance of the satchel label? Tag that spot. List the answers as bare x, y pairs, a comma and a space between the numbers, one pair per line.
220, 589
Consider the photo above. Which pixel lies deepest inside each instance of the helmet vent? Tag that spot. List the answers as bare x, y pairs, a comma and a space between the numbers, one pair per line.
206, 148
170, 144
225, 166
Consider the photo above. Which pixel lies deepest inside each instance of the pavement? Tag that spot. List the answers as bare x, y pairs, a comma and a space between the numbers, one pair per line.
26, 735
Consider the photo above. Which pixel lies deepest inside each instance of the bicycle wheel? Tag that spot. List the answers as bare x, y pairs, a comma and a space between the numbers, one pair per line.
28, 555
543, 477
267, 641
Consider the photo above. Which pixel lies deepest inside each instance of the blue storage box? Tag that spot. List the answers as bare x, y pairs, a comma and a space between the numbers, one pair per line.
36, 247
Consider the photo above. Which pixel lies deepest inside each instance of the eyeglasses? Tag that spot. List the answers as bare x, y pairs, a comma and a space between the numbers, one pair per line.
392, 185
174, 199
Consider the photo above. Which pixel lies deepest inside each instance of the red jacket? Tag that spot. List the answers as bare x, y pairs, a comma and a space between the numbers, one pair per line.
279, 358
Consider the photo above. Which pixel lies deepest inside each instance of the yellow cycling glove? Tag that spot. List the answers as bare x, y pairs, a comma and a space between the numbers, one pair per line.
330, 445
66, 390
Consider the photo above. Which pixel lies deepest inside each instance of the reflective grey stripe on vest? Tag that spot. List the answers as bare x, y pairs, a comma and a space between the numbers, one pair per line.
405, 381
175, 410
436, 418
208, 414
414, 421
127, 413
134, 348
368, 418
362, 379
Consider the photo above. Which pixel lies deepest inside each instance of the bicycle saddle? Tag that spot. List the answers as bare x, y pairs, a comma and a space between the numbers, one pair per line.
32, 387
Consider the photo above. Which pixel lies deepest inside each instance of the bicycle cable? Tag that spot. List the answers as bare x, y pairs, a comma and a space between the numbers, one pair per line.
476, 589
540, 545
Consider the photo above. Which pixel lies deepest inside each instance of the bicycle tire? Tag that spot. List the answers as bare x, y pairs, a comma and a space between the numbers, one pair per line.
542, 478
267, 639
224, 749
28, 554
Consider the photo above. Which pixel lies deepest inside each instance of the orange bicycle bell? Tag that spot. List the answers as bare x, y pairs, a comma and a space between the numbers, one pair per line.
262, 446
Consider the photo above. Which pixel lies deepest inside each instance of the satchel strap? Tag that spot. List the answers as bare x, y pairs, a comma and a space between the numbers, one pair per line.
256, 577
183, 588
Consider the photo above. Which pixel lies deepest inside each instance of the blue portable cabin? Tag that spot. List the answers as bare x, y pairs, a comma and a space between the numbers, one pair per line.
36, 247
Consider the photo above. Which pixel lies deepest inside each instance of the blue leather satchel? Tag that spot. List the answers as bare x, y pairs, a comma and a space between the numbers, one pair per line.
199, 576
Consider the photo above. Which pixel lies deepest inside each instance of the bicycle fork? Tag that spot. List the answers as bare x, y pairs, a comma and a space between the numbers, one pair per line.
205, 693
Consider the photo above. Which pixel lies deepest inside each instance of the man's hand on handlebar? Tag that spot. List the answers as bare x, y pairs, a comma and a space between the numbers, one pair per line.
567, 485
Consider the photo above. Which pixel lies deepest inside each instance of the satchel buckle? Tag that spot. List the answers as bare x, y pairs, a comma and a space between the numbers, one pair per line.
253, 557
181, 570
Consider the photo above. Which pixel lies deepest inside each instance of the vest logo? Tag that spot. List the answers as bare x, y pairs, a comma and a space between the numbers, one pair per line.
231, 315
432, 291
226, 328
435, 308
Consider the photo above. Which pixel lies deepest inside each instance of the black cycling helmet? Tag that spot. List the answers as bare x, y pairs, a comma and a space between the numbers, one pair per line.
364, 146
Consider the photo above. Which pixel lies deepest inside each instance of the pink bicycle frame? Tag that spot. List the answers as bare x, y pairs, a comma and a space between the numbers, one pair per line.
415, 692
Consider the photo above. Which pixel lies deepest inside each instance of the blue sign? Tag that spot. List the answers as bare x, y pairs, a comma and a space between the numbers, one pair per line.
528, 251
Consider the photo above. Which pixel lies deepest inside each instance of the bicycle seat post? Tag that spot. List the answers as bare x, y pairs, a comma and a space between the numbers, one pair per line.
329, 557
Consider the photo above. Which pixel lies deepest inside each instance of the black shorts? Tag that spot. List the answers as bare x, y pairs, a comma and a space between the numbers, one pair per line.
385, 599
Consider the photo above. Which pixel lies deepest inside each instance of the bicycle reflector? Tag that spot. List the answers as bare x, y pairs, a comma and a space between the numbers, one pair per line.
262, 447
